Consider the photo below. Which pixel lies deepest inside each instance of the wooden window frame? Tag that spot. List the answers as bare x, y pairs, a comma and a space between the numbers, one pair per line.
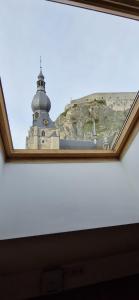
125, 8
20, 154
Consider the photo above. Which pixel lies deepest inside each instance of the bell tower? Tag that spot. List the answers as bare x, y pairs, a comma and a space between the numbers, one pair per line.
43, 133
41, 104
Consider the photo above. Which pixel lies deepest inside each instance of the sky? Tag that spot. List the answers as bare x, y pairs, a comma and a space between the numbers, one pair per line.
82, 52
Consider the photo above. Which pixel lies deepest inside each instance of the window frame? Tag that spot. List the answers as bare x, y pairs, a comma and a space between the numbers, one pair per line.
25, 154
129, 9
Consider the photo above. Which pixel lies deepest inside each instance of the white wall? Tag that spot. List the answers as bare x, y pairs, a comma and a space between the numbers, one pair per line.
1, 165
130, 164
49, 198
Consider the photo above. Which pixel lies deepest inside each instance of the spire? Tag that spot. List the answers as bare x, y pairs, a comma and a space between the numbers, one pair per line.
40, 64
41, 101
40, 81
41, 74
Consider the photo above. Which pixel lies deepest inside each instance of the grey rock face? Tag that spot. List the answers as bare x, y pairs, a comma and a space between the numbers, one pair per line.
107, 110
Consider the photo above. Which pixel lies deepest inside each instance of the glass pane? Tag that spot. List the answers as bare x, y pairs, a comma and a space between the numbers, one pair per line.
80, 93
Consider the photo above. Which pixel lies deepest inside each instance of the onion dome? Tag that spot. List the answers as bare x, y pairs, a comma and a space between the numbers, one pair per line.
41, 102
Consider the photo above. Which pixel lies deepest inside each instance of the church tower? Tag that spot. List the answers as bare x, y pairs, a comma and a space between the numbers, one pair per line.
43, 133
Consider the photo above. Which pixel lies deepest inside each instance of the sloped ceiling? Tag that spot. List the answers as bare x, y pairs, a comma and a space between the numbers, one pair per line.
127, 8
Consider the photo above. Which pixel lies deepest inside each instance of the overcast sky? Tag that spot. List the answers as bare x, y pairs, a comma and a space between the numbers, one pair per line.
82, 52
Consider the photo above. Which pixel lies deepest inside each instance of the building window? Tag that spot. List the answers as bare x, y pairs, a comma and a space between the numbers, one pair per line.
43, 133
36, 115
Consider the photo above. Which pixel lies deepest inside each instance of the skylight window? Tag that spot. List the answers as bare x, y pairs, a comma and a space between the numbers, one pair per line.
83, 90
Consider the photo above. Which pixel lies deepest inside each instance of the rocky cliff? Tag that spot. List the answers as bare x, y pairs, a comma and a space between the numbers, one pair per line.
104, 113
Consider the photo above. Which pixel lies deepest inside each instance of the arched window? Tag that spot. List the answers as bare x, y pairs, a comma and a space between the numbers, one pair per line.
43, 133
41, 83
36, 115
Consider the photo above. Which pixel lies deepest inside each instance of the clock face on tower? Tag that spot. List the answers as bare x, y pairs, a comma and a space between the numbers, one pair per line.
45, 122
